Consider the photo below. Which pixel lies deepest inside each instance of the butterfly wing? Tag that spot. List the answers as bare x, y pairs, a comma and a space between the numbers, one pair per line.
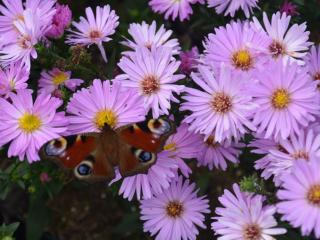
82, 153
140, 143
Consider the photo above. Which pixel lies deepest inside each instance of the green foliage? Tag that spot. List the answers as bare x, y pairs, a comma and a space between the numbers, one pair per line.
7, 231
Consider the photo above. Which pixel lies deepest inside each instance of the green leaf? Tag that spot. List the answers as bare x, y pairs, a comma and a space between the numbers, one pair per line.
6, 231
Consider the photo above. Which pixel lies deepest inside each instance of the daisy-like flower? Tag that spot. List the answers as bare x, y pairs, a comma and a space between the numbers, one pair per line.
27, 125
14, 10
173, 9
289, 8
12, 78
189, 60
300, 197
183, 145
221, 109
158, 178
176, 213
94, 29
231, 6
103, 103
287, 100
60, 21
217, 154
52, 80
245, 217
145, 35
238, 45
312, 61
30, 31
305, 145
151, 73
286, 42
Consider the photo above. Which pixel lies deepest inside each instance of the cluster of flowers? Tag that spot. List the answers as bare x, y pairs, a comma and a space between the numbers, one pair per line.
253, 78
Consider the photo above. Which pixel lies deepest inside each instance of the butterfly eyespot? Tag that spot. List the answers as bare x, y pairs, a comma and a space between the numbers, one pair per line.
145, 157
159, 126
56, 147
84, 169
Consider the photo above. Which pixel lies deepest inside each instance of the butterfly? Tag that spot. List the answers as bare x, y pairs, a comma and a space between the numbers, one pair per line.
94, 156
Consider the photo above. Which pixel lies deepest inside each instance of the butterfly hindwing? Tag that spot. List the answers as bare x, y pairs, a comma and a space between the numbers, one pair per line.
140, 144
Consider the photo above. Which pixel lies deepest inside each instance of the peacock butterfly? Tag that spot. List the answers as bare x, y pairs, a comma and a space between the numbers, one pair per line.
93, 156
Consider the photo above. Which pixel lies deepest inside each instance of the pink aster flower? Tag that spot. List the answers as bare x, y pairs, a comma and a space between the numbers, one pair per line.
60, 21
145, 35
176, 213
289, 8
231, 6
12, 11
221, 108
158, 178
312, 61
212, 153
173, 9
305, 145
183, 145
300, 197
22, 48
244, 216
105, 102
52, 80
287, 100
27, 125
238, 45
286, 42
151, 73
94, 29
12, 78
189, 60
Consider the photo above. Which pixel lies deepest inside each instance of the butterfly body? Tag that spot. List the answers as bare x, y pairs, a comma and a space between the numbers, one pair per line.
94, 156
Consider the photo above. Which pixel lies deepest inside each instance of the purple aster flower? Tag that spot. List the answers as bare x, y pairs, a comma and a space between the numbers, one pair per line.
22, 48
105, 102
221, 109
12, 78
60, 21
27, 125
52, 80
153, 182
183, 145
231, 6
175, 213
305, 145
173, 9
300, 197
245, 217
12, 11
239, 45
312, 61
145, 35
289, 8
94, 29
217, 154
287, 100
189, 60
286, 42
151, 73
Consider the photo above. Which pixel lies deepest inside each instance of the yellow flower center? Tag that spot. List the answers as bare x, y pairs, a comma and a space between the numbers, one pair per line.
105, 117
221, 103
29, 123
252, 232
280, 99
313, 195
60, 78
242, 60
95, 34
211, 142
174, 209
12, 84
171, 147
